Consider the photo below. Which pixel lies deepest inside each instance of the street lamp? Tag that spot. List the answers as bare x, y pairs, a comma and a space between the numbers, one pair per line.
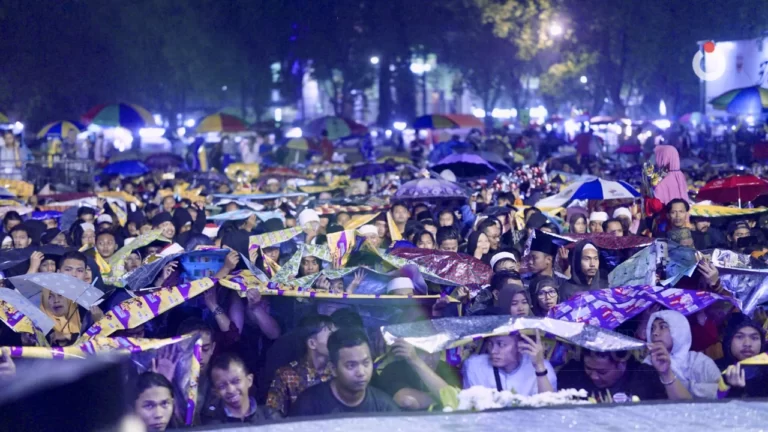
374, 60
583, 79
555, 29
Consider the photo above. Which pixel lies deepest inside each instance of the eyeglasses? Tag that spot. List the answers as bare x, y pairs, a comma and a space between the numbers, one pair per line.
548, 293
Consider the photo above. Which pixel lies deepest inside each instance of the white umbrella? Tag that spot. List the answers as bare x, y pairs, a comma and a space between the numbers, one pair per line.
590, 189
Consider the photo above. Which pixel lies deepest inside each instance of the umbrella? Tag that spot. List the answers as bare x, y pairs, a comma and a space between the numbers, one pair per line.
127, 168
591, 189
336, 127
4, 118
220, 122
425, 189
733, 189
26, 307
60, 129
447, 148
448, 121
495, 160
692, 117
370, 169
282, 173
30, 285
167, 162
747, 100
298, 144
459, 268
465, 165
629, 149
125, 115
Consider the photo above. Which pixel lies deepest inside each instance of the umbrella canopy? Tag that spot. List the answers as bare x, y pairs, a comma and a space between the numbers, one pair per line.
168, 162
733, 189
447, 148
220, 122
459, 268
301, 144
465, 165
125, 115
60, 129
337, 127
370, 169
629, 149
592, 189
692, 117
495, 160
747, 100
282, 173
126, 168
448, 121
428, 188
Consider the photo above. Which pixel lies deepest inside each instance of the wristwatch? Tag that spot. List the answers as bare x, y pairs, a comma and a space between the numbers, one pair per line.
218, 311
542, 373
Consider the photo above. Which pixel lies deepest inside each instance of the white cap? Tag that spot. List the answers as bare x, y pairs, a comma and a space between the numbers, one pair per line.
273, 181
598, 217
399, 283
447, 174
368, 230
306, 216
501, 256
622, 211
87, 226
105, 218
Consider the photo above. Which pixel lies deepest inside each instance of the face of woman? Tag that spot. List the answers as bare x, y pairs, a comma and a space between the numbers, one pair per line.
60, 240
519, 306
132, 262
155, 406
58, 305
579, 226
483, 244
309, 265
89, 238
425, 242
48, 266
446, 219
168, 230
88, 275
547, 297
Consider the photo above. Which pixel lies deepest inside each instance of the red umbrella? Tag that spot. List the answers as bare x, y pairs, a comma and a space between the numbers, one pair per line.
460, 268
283, 173
736, 188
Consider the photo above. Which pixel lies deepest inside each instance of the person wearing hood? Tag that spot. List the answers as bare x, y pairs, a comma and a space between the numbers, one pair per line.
544, 294
743, 338
693, 373
585, 271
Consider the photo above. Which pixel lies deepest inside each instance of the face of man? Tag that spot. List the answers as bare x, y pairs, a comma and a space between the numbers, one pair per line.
603, 371
745, 343
400, 214
494, 235
74, 268
106, 245
660, 333
702, 225
540, 261
595, 227
678, 215
168, 230
506, 265
446, 219
354, 368
309, 265
168, 204
20, 239
590, 263
741, 232
615, 228
342, 218
232, 385
87, 217
450, 245
206, 351
502, 351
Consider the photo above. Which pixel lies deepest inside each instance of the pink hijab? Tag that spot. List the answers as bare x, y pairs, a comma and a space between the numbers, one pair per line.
674, 184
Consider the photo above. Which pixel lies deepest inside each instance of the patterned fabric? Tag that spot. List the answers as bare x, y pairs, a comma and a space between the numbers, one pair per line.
273, 238
291, 380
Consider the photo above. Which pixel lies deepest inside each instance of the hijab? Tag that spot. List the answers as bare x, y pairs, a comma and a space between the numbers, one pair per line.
472, 245
673, 185
60, 323
536, 284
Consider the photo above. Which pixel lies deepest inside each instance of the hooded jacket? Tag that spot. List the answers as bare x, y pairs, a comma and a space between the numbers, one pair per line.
578, 281
697, 372
757, 378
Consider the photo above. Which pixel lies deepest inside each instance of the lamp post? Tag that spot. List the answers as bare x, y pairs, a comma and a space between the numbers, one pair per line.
421, 70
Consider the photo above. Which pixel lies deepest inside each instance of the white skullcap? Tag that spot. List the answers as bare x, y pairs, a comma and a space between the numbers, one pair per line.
399, 283
273, 181
598, 217
306, 216
502, 256
87, 226
589, 246
622, 211
368, 230
105, 218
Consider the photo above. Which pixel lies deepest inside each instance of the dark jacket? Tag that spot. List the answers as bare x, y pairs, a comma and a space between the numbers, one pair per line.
578, 283
214, 413
756, 376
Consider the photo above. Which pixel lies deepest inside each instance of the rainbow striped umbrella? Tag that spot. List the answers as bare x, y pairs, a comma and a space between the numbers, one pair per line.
129, 116
747, 100
337, 127
221, 122
448, 121
60, 129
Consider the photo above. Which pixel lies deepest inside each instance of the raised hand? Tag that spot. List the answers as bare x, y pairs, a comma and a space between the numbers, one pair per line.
735, 377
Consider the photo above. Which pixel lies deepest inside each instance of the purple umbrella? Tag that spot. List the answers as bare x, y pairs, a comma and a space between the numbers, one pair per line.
167, 162
465, 165
370, 169
430, 188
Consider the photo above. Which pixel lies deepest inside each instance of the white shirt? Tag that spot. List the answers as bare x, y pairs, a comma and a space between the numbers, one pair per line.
477, 371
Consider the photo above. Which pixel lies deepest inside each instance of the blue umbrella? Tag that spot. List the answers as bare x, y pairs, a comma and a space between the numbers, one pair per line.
445, 149
126, 168
370, 169
590, 189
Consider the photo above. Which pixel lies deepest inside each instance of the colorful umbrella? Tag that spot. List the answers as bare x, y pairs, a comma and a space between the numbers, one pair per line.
127, 168
282, 173
465, 165
629, 149
495, 160
426, 188
747, 100
168, 162
301, 144
692, 117
337, 127
459, 268
448, 121
4, 118
60, 129
129, 116
733, 189
220, 122
370, 169
592, 189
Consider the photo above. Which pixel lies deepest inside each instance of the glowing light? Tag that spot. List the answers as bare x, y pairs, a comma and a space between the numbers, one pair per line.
293, 133
224, 88
478, 112
181, 131
151, 132
123, 139
278, 114
374, 134
374, 60
190, 123
504, 113
417, 68
662, 124
662, 108
555, 29
18, 127
158, 119
751, 120
583, 79
388, 133
538, 112
400, 125
628, 131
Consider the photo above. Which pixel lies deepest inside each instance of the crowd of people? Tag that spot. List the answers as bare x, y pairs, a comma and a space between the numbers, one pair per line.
265, 356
